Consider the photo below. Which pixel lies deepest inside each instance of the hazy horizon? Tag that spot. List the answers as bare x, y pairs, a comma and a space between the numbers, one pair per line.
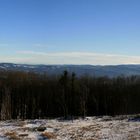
70, 32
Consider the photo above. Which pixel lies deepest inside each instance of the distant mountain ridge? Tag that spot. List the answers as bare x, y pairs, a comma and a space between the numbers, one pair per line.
91, 70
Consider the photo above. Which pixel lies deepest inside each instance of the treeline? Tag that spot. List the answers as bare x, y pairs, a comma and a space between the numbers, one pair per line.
31, 96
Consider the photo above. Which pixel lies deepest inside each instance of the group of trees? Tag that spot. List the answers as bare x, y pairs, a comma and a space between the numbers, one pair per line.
29, 95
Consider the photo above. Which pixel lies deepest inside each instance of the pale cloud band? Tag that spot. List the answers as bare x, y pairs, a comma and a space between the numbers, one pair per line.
32, 57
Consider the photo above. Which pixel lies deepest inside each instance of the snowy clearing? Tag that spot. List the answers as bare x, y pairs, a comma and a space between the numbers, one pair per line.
91, 128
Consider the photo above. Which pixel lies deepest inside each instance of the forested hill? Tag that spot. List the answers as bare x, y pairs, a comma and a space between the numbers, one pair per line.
79, 70
31, 96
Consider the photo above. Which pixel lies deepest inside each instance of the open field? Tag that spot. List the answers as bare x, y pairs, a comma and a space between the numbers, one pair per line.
91, 128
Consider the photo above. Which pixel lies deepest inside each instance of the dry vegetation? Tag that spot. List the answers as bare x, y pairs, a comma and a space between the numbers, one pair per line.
91, 128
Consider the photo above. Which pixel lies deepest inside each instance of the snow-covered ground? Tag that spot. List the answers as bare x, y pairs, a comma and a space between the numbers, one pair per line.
91, 128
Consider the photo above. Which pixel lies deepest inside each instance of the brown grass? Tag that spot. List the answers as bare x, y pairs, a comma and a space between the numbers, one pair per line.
49, 135
12, 135
21, 123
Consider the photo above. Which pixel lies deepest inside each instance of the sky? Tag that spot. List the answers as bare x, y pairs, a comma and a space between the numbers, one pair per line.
97, 32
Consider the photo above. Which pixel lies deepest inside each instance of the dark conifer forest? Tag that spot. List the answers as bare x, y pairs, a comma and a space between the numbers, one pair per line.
30, 96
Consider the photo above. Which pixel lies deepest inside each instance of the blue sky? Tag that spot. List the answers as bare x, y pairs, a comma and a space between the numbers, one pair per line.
70, 31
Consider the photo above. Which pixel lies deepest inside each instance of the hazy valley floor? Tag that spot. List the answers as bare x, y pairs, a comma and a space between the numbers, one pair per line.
91, 128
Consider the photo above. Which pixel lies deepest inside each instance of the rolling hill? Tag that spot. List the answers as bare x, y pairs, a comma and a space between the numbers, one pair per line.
91, 70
